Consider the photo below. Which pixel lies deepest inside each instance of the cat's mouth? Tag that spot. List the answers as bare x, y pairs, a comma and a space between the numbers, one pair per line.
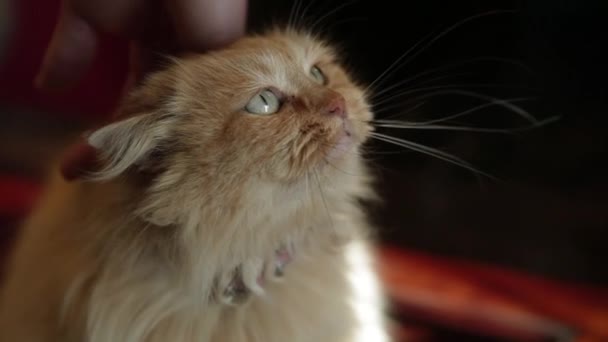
325, 142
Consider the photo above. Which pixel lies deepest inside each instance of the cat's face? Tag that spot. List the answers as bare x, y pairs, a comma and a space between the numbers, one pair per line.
277, 105
275, 108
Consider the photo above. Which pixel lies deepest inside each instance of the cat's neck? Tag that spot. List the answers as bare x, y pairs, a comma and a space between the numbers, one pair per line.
213, 237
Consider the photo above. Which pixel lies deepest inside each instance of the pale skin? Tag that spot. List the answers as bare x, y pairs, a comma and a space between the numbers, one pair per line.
152, 27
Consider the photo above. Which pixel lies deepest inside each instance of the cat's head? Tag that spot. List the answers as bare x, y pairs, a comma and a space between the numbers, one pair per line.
276, 108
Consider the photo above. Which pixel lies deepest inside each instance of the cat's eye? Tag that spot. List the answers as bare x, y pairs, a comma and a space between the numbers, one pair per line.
318, 75
264, 103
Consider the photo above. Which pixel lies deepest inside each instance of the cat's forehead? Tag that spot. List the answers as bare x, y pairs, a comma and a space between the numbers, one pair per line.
303, 48
283, 59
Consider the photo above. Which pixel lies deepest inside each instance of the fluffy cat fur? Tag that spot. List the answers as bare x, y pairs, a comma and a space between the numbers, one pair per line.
193, 190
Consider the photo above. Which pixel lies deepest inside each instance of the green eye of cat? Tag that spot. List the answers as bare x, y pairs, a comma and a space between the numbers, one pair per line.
264, 103
318, 75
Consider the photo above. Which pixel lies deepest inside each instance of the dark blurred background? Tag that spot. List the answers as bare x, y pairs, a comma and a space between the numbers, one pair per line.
549, 213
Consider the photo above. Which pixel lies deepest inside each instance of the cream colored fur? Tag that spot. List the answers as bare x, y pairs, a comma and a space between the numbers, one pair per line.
192, 189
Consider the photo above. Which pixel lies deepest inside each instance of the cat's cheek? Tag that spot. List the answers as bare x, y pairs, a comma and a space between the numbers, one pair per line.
367, 115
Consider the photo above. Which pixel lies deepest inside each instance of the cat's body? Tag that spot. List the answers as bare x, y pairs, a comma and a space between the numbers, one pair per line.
176, 238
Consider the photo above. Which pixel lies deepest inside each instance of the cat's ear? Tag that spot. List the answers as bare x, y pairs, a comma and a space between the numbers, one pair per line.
110, 150
143, 124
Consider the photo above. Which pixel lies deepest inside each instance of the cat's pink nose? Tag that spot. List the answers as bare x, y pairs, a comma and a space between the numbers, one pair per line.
336, 106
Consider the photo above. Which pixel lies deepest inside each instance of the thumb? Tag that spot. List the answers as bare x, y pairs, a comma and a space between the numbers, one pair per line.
207, 24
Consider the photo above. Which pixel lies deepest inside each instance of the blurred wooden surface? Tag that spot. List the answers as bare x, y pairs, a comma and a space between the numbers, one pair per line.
488, 301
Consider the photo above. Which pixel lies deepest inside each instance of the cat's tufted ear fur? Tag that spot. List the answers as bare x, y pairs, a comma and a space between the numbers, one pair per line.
126, 143
109, 151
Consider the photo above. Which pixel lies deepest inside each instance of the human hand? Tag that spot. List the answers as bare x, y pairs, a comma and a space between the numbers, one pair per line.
155, 26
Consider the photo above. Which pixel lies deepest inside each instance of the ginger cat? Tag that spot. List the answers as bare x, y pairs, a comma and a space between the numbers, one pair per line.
224, 206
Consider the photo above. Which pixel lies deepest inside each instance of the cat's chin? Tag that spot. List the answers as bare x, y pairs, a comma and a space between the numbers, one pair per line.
344, 144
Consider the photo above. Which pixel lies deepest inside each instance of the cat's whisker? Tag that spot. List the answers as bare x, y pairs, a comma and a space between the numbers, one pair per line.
301, 19
291, 21
498, 59
409, 91
447, 128
315, 25
366, 151
409, 110
402, 61
418, 126
457, 115
378, 96
370, 88
301, 15
507, 104
431, 152
450, 66
447, 76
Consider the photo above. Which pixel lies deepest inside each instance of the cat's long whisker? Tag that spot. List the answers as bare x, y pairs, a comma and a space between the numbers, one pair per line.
378, 96
314, 25
301, 18
449, 117
503, 60
409, 91
392, 107
407, 143
449, 66
396, 65
418, 126
507, 104
290, 19
431, 152
370, 87
405, 112
446, 128
443, 77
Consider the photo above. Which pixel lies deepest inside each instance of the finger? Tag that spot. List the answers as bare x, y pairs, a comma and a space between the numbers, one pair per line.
79, 160
69, 54
208, 24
